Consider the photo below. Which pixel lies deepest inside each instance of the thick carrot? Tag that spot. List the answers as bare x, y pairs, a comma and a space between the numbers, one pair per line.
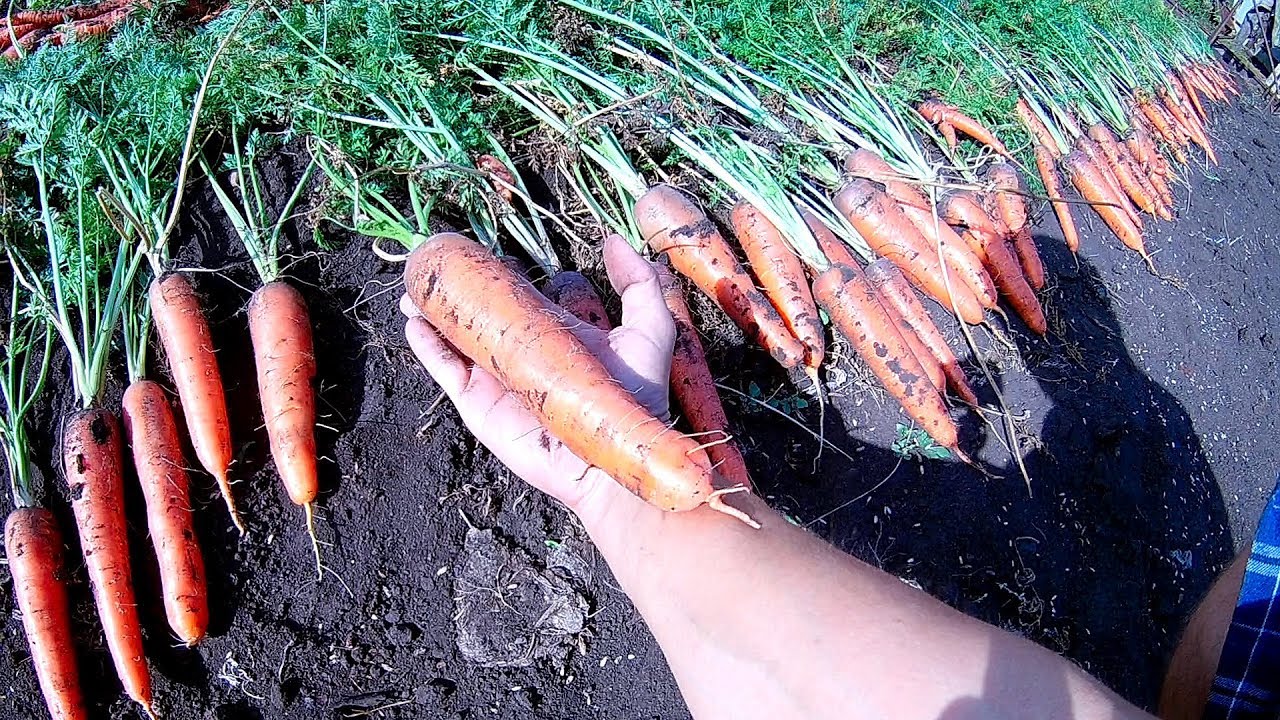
33, 547
836, 250
673, 225
184, 333
1093, 187
855, 309
963, 209
1048, 168
938, 112
573, 291
92, 459
1106, 142
1007, 273
1090, 148
901, 299
782, 276
284, 355
1007, 198
880, 220
962, 262
499, 321
1191, 91
695, 388
157, 455
1036, 127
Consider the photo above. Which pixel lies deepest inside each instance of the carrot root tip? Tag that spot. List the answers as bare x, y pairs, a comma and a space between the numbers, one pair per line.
716, 502
315, 541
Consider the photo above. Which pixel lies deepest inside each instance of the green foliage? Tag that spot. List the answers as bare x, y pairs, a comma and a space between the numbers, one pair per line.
914, 442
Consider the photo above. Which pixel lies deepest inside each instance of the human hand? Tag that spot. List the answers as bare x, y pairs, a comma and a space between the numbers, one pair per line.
637, 354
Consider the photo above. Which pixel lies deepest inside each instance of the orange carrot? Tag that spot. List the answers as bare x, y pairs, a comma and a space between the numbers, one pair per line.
157, 455
887, 230
938, 112
836, 250
1160, 124
1189, 123
184, 333
695, 388
93, 463
949, 135
574, 292
1093, 187
782, 275
1190, 90
1036, 127
1053, 188
673, 225
33, 547
960, 260
1009, 204
499, 321
503, 181
1129, 183
963, 209
855, 309
1090, 148
1007, 273
899, 298
284, 356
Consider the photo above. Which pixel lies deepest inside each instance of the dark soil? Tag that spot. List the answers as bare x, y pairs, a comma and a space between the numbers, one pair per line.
451, 590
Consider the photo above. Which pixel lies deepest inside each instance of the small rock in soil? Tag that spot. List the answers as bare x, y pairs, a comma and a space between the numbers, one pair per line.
510, 613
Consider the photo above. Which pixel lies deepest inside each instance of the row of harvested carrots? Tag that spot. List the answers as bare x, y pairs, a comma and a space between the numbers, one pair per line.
22, 32
93, 462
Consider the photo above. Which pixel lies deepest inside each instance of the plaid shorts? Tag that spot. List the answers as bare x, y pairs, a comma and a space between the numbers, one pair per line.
1248, 680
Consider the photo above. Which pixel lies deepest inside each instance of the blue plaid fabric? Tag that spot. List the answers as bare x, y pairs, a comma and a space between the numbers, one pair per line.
1248, 680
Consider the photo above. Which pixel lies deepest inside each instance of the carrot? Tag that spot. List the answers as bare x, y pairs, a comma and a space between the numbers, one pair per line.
1129, 183
184, 333
500, 322
33, 547
960, 260
1189, 91
1093, 187
782, 274
1012, 209
1007, 273
1090, 148
949, 135
938, 112
284, 355
574, 292
1036, 127
900, 299
855, 309
157, 455
963, 209
93, 463
695, 388
1188, 123
1160, 124
836, 250
1053, 188
673, 225
887, 230
503, 181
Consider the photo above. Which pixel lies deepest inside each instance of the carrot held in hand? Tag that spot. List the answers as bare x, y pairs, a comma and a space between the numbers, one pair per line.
695, 388
899, 297
782, 275
855, 309
33, 547
674, 226
181, 325
92, 460
573, 291
500, 321
157, 455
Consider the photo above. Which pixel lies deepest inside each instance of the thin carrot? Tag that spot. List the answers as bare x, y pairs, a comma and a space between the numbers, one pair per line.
185, 335
1189, 123
855, 309
1036, 127
93, 464
836, 250
498, 320
1007, 273
782, 276
1160, 124
1093, 187
880, 220
1012, 209
1053, 188
574, 292
695, 388
938, 112
157, 455
899, 297
674, 226
33, 546
1190, 90
504, 180
1129, 183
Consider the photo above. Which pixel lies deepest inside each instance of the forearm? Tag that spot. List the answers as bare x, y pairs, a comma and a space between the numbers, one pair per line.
740, 612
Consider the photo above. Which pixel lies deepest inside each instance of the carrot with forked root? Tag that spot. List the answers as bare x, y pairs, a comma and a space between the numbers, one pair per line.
673, 225
782, 275
500, 322
938, 112
695, 388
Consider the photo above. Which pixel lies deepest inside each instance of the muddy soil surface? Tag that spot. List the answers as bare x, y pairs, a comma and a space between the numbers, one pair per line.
451, 590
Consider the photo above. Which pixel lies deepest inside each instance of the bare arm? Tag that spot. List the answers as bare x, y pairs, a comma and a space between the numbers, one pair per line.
770, 623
